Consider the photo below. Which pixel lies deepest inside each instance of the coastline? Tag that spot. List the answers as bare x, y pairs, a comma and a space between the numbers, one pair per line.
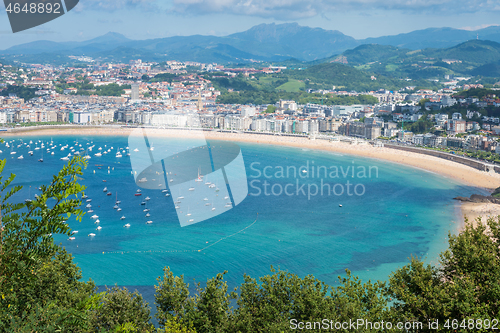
458, 172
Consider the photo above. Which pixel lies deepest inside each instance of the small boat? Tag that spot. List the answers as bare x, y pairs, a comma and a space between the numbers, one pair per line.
20, 157
71, 238
213, 208
88, 206
74, 232
146, 210
119, 210
99, 228
147, 198
85, 196
109, 193
94, 217
98, 154
138, 194
164, 191
116, 207
30, 152
149, 222
142, 180
167, 194
97, 221
91, 235
340, 205
143, 203
191, 189
138, 190
181, 197
90, 211
191, 220
177, 207
88, 200
105, 189
126, 225
122, 218
148, 215
136, 150
66, 158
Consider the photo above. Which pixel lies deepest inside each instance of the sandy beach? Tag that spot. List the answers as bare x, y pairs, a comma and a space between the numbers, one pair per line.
459, 172
481, 211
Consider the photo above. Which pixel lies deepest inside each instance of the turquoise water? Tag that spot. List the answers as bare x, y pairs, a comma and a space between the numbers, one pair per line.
401, 212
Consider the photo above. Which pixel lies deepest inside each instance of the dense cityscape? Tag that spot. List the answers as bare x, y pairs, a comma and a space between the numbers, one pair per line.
137, 95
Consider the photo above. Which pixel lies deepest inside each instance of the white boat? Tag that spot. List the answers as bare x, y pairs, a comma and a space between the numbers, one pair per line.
97, 221
164, 191
142, 180
191, 220
88, 206
66, 158
94, 217
149, 222
71, 238
88, 200
177, 207
119, 210
90, 211
213, 208
118, 154
136, 150
146, 210
91, 235
191, 189
122, 218
99, 228
181, 197
74, 232
116, 207
148, 215
98, 154
87, 157
340, 205
20, 157
105, 189
147, 198
30, 152
167, 194
13, 153
126, 225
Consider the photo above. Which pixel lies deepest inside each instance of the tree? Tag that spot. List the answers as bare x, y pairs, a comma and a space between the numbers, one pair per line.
37, 278
465, 286
120, 309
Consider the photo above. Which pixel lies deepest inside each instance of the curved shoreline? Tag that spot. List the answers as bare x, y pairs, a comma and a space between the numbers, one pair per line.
456, 171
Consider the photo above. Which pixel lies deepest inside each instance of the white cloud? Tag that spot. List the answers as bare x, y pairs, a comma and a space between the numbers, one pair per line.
113, 5
293, 9
478, 27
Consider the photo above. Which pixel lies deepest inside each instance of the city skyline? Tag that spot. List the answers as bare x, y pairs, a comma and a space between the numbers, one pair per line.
139, 19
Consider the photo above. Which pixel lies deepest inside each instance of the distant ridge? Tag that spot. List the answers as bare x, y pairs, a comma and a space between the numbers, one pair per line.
264, 42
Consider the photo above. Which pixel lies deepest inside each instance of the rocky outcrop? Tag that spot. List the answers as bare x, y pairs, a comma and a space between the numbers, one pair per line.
479, 199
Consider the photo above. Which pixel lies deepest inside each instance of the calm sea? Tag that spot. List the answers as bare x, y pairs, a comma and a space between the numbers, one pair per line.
370, 222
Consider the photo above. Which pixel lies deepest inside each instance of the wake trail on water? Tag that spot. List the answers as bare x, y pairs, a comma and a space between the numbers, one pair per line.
202, 249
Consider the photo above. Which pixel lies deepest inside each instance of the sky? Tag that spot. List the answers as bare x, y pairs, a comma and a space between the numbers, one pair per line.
145, 19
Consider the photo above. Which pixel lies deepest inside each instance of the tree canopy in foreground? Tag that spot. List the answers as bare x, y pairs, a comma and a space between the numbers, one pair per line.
42, 290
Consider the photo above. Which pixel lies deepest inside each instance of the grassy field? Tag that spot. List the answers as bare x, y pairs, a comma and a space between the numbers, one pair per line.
292, 86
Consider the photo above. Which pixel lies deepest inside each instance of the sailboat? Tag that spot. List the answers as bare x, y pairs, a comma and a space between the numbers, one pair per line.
199, 179
41, 159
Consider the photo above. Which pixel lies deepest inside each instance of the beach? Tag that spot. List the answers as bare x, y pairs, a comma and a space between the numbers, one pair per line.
458, 172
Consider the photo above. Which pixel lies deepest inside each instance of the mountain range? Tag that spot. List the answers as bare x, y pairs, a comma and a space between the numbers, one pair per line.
264, 42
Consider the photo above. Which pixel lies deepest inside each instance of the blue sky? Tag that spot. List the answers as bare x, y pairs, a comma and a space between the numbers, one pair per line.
143, 19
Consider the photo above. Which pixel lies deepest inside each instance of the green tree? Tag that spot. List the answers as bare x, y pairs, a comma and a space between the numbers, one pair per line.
120, 310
